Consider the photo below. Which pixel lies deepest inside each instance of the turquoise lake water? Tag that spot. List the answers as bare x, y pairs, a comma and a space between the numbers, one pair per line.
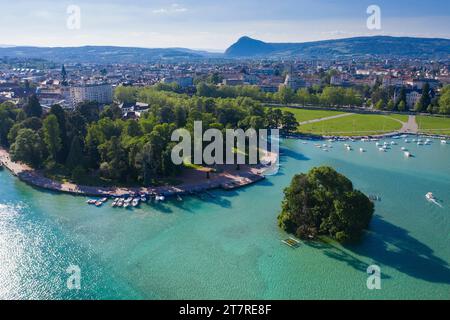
230, 247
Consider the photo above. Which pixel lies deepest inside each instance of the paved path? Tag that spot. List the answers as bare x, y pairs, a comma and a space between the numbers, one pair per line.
327, 118
411, 126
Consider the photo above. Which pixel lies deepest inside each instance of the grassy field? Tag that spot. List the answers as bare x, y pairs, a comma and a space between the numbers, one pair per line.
354, 125
401, 117
433, 125
303, 115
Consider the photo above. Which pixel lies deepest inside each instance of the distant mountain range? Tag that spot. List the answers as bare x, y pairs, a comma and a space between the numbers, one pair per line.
104, 54
245, 47
377, 45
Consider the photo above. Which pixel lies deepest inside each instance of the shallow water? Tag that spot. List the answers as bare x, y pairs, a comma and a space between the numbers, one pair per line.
229, 246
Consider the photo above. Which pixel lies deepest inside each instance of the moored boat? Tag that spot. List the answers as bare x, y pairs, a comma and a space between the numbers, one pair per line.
135, 202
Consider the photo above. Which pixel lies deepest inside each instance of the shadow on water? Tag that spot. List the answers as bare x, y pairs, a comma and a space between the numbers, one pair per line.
160, 207
289, 153
393, 246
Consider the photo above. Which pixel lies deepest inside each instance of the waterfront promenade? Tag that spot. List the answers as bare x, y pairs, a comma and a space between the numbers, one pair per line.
191, 181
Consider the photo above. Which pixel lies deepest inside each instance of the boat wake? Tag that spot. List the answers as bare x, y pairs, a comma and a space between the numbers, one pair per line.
436, 203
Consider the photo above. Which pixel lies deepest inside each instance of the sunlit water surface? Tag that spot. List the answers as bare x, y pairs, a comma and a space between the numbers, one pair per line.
229, 247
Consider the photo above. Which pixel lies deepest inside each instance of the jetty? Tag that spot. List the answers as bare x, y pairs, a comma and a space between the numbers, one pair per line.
291, 242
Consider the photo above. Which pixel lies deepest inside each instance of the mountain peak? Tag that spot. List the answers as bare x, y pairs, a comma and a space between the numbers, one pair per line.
247, 46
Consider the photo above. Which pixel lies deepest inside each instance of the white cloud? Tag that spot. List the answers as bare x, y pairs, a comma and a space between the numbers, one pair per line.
174, 8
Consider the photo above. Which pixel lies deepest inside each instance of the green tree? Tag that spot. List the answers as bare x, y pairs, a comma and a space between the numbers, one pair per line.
391, 105
402, 106
60, 114
115, 164
303, 97
75, 156
323, 202
113, 112
286, 95
274, 117
33, 107
289, 122
425, 99
444, 101
379, 105
52, 136
6, 123
27, 148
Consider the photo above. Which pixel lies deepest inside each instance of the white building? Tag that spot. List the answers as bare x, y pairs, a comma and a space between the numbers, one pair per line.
101, 93
411, 98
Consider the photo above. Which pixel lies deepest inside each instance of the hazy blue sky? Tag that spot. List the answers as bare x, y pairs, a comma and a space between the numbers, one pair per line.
212, 24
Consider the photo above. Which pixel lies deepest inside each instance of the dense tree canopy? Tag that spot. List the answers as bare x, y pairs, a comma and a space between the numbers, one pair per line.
27, 148
323, 202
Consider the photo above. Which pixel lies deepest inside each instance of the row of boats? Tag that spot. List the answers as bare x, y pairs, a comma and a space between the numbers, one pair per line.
133, 200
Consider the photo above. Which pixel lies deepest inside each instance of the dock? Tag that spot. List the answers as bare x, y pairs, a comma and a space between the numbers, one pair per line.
292, 242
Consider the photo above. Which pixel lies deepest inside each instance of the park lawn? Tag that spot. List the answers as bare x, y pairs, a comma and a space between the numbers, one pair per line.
401, 117
353, 125
433, 125
303, 115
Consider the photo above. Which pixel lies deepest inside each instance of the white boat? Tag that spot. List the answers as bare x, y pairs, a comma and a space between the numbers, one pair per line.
406, 141
382, 149
404, 149
362, 150
430, 196
135, 202
420, 143
377, 144
160, 198
407, 154
393, 143
349, 148
444, 141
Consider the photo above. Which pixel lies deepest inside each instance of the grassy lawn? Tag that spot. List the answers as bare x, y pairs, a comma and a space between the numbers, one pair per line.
305, 115
434, 125
401, 117
354, 125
